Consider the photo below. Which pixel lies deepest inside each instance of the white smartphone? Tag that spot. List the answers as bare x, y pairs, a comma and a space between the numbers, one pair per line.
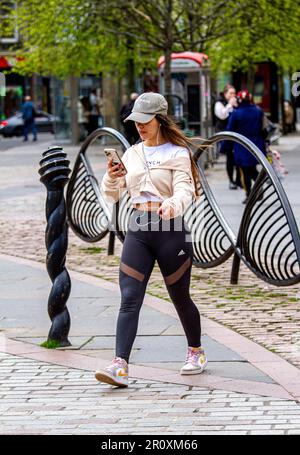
112, 153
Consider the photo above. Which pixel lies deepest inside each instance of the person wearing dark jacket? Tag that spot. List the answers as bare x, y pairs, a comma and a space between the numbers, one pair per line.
248, 121
223, 108
130, 130
28, 116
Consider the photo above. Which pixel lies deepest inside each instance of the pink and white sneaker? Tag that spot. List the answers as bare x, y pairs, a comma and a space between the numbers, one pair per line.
195, 361
115, 374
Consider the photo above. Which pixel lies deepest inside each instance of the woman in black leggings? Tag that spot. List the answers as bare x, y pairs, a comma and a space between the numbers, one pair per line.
156, 233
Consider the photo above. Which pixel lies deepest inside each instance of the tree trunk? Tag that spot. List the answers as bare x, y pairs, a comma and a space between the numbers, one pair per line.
167, 72
74, 109
168, 54
130, 67
118, 101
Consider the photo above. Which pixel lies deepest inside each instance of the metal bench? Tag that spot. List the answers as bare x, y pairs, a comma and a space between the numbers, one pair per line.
268, 239
267, 242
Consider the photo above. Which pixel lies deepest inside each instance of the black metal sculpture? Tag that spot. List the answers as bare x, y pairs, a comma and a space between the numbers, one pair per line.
268, 239
54, 171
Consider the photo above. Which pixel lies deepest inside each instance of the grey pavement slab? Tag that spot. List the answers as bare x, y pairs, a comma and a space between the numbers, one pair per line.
160, 348
93, 310
233, 370
76, 342
147, 351
160, 340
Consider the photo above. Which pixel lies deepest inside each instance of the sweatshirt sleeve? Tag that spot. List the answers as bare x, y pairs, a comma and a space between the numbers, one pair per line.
112, 188
183, 192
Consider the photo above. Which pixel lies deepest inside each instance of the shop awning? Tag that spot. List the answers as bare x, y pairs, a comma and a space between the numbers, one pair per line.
7, 62
185, 59
4, 63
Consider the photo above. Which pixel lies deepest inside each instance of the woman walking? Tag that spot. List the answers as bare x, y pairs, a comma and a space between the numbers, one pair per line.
162, 181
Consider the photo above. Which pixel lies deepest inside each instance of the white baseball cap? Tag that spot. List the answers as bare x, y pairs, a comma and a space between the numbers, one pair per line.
147, 106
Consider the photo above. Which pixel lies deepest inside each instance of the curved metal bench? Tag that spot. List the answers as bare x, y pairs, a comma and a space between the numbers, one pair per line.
88, 214
268, 238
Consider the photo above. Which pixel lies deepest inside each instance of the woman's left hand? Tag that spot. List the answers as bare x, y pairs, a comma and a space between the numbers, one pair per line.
165, 212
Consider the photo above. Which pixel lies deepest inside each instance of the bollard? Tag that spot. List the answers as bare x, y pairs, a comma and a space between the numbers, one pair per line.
54, 171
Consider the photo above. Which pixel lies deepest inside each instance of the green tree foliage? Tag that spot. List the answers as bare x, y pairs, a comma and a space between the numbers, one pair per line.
66, 38
264, 30
7, 25
75, 36
72, 37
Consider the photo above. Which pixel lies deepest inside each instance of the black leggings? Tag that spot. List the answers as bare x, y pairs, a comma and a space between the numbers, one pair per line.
247, 175
231, 167
149, 238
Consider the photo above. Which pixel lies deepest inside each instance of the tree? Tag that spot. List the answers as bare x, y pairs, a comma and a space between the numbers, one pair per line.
167, 26
72, 37
264, 30
125, 36
62, 39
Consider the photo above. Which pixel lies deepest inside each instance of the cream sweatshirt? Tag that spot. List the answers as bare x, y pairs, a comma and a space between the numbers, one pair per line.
171, 180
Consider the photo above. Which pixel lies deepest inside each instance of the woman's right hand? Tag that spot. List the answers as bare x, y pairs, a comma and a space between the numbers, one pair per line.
114, 171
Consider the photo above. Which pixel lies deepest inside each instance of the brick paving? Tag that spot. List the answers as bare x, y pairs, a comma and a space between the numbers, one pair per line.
40, 398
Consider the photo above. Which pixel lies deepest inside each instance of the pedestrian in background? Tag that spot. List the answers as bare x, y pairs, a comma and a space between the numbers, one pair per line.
247, 120
28, 116
83, 117
130, 131
224, 106
94, 111
289, 117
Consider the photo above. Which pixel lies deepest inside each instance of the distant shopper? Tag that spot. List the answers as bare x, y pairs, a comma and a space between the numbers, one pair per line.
83, 117
28, 115
94, 111
224, 106
130, 130
289, 116
248, 121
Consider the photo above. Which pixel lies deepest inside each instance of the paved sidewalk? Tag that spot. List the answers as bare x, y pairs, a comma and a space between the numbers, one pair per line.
267, 315
245, 389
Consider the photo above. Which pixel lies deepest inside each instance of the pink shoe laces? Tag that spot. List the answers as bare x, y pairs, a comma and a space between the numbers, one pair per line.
120, 362
193, 355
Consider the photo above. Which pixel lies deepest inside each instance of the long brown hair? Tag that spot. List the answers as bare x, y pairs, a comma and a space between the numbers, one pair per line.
171, 133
